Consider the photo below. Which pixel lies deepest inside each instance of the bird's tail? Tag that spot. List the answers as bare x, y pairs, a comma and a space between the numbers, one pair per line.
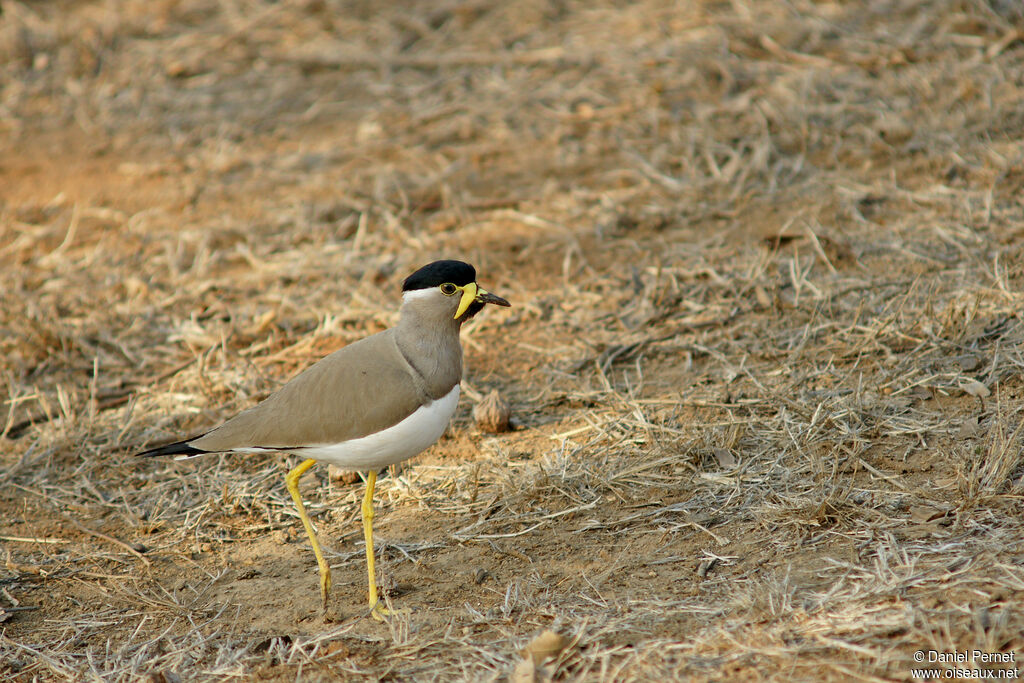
180, 449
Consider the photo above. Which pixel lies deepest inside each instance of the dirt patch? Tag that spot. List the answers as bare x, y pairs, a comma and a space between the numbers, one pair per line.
763, 354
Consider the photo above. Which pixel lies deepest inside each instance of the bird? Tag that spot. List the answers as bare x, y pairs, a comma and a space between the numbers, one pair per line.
368, 405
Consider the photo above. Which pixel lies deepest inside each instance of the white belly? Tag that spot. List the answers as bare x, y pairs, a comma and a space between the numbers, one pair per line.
412, 435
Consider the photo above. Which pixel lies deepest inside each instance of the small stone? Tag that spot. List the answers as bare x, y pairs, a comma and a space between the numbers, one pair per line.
968, 363
163, 677
179, 69
724, 457
893, 129
969, 428
340, 476
492, 414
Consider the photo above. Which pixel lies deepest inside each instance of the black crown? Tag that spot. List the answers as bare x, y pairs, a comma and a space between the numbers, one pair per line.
439, 272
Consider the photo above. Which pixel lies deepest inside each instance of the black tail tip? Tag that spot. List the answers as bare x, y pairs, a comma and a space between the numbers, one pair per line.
176, 448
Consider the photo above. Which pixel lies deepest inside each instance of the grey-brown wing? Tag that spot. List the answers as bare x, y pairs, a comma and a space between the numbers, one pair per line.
357, 390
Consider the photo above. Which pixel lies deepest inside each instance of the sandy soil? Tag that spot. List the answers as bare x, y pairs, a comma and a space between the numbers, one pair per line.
763, 358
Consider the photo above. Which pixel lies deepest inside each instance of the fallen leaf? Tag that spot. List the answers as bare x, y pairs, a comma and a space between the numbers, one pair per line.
763, 300
975, 388
527, 671
926, 513
545, 646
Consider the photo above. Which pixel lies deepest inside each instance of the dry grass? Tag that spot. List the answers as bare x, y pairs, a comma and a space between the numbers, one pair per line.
766, 267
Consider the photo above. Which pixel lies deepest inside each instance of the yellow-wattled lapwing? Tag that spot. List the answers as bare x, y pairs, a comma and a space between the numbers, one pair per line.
371, 404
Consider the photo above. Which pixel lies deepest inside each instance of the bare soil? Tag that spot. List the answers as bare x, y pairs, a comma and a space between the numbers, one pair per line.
764, 356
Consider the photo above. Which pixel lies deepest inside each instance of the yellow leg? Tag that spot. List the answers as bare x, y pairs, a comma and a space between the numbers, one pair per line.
292, 479
375, 609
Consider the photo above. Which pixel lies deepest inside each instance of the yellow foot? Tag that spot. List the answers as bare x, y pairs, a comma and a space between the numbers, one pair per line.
379, 612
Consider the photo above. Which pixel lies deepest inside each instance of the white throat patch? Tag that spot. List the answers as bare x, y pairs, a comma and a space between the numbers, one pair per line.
420, 294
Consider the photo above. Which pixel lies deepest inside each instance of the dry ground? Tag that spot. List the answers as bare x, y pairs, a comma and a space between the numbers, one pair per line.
765, 351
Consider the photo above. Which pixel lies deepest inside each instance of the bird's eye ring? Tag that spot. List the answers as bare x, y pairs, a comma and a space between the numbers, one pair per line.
448, 289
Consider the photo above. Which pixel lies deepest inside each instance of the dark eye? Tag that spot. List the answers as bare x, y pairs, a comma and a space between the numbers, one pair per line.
448, 289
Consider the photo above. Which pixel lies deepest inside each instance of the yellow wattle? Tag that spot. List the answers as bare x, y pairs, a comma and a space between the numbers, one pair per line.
468, 296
